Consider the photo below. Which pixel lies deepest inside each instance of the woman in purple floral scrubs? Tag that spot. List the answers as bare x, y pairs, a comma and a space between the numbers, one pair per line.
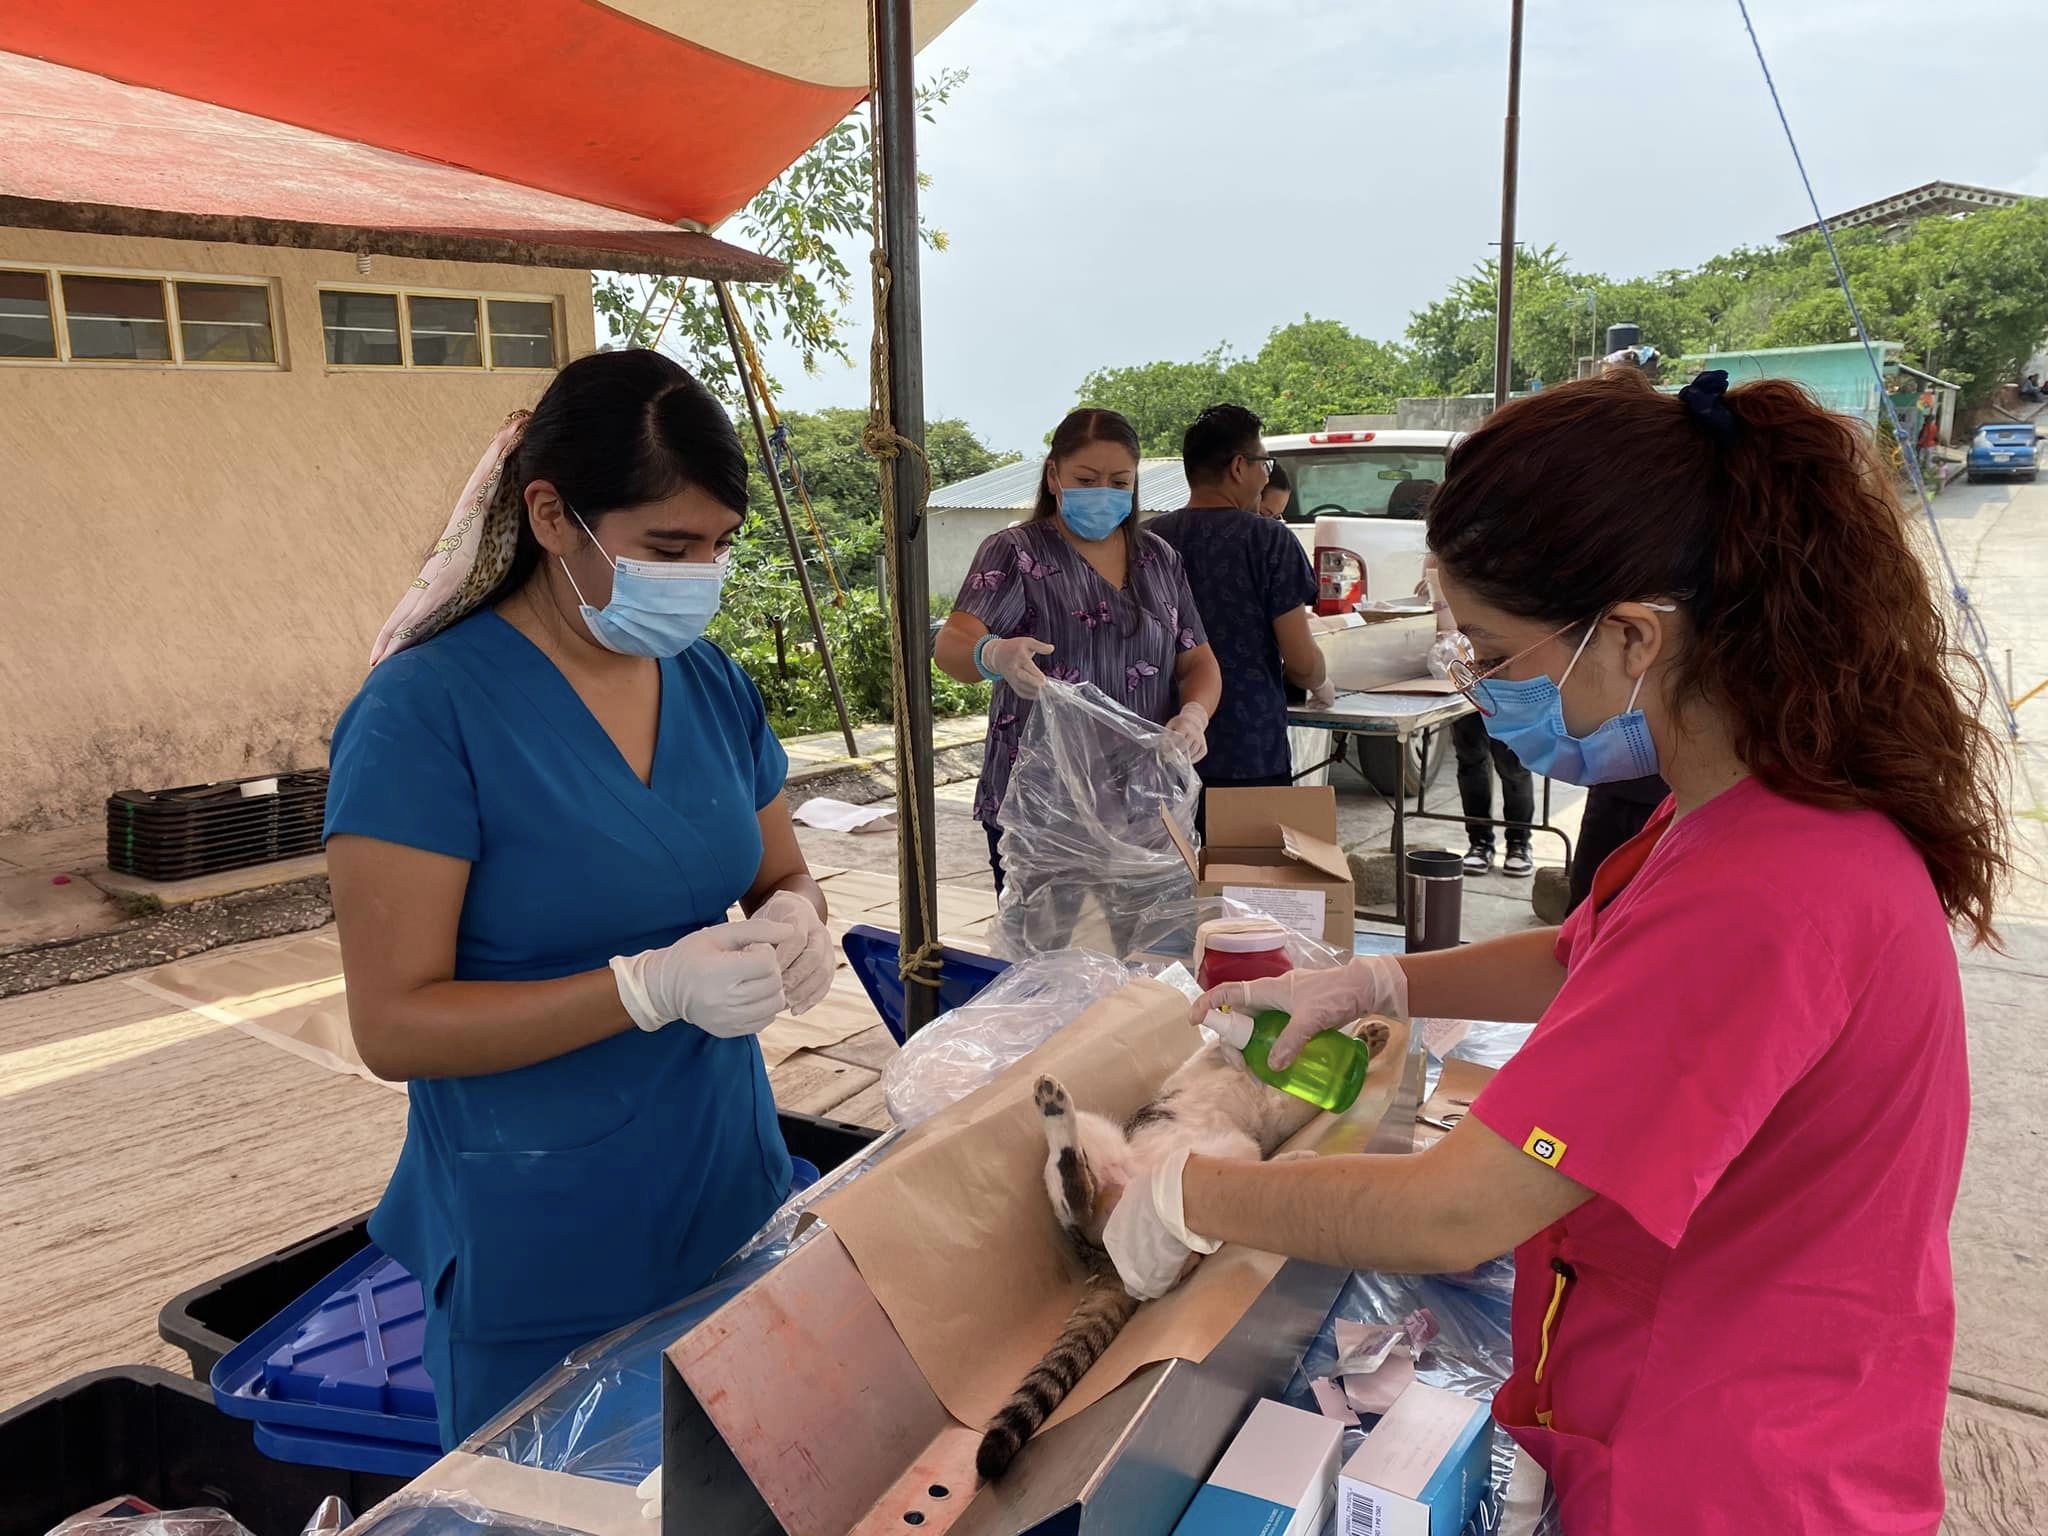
1080, 594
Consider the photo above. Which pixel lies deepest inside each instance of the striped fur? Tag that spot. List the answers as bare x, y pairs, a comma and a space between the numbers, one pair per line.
1210, 1105
1098, 1317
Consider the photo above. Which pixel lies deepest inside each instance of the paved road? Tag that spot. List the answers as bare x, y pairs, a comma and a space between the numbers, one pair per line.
1998, 538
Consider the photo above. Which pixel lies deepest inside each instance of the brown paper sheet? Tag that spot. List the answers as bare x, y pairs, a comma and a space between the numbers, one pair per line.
955, 1235
286, 993
845, 1012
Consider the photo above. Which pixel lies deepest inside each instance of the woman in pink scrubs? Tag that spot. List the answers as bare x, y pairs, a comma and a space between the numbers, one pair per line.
1726, 1158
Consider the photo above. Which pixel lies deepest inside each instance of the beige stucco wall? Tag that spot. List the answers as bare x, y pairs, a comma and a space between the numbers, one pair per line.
193, 564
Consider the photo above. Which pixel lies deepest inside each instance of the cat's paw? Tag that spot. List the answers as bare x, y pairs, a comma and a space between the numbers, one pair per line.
1051, 1098
1375, 1035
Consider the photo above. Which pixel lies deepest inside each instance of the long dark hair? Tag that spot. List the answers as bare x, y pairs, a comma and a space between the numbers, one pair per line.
1091, 424
1775, 526
619, 429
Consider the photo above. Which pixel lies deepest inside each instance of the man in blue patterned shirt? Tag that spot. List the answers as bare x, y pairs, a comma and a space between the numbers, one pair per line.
1254, 588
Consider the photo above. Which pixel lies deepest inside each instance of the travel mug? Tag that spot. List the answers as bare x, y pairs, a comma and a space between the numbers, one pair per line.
1436, 893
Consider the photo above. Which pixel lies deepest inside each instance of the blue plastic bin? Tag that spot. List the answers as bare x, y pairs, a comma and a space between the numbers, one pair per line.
336, 1378
873, 952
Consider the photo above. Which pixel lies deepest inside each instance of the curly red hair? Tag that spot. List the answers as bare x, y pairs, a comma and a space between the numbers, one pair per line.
1815, 627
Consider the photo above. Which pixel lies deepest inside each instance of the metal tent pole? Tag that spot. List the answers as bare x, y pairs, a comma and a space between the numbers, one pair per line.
895, 44
1503, 359
729, 312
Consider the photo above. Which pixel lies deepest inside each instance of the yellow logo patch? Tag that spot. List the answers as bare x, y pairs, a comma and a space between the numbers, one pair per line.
1544, 1147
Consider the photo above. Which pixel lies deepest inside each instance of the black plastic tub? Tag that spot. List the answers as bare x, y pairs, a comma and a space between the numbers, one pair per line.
211, 1319
164, 835
141, 1431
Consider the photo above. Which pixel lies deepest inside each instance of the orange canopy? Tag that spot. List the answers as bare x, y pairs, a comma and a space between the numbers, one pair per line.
677, 110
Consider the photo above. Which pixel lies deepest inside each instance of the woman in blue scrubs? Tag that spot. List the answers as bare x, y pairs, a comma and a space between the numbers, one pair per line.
544, 801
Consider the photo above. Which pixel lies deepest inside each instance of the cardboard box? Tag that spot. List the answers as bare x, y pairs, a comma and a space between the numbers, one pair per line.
1365, 652
1277, 1478
1422, 1470
1275, 851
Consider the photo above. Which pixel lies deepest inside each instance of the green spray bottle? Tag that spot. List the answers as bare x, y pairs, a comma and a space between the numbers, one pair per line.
1328, 1073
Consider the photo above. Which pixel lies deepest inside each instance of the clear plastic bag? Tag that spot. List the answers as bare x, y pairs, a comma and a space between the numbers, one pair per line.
1010, 1017
1086, 854
167, 1522
436, 1513
331, 1518
1471, 1354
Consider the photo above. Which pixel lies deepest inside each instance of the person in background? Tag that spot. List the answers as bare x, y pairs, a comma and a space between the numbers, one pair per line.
1613, 815
1278, 492
1480, 757
1476, 749
2031, 389
542, 803
1727, 1157
1254, 587
1081, 588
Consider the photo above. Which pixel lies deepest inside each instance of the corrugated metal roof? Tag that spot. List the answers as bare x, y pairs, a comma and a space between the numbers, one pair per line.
1162, 486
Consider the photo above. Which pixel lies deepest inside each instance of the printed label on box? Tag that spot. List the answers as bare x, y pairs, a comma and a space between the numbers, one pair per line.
1300, 910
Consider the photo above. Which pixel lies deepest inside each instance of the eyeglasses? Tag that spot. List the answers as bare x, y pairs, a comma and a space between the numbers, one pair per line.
1451, 657
1266, 459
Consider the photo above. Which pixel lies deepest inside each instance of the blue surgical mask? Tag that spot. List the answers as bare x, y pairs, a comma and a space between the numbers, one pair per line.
1095, 511
1528, 719
657, 607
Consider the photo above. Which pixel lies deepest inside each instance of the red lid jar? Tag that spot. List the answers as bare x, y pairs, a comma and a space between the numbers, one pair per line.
1244, 955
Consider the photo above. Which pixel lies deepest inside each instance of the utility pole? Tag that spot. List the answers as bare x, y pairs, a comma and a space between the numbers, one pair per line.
917, 873
1503, 359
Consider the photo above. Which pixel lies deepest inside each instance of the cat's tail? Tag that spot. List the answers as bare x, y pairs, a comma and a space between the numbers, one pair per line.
1098, 1317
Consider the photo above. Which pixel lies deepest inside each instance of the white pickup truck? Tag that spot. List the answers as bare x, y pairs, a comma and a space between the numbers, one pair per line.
1357, 506
1357, 500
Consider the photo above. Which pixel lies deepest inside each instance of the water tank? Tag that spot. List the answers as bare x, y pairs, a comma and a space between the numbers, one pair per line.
1619, 336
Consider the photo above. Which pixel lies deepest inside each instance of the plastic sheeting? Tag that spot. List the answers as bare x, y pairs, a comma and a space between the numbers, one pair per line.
448, 1514
169, 1522
1008, 1019
1471, 1354
1086, 854
329, 1518
599, 1414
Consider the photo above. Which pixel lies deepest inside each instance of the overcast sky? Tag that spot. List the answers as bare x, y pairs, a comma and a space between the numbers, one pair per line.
1129, 180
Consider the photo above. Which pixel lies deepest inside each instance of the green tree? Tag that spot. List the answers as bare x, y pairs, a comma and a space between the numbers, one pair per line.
1314, 369
802, 219
1451, 342
762, 622
1160, 399
845, 489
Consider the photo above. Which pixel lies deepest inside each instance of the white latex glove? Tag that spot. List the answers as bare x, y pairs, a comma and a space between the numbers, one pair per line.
1014, 659
1324, 694
806, 960
1147, 1238
1315, 1000
724, 979
650, 1495
1190, 728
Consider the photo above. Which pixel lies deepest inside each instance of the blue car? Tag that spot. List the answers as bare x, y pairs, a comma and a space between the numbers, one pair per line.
2003, 450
